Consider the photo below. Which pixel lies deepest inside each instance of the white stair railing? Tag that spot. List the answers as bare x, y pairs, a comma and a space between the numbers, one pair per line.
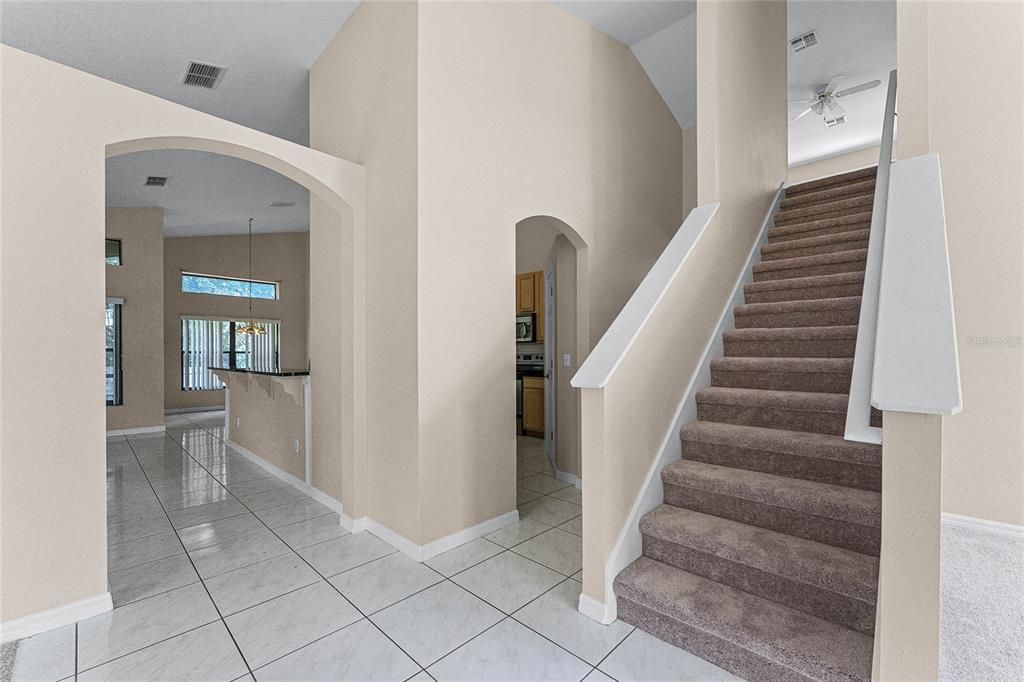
906, 358
858, 409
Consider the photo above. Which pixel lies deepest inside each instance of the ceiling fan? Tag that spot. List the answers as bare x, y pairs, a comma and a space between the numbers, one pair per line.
826, 99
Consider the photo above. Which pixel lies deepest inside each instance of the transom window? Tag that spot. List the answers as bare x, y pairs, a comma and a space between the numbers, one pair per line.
195, 283
209, 343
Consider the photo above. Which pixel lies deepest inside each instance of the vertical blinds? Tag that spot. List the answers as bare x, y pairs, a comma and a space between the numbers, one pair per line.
209, 343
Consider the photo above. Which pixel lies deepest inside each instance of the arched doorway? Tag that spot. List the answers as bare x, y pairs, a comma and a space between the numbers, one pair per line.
552, 338
336, 306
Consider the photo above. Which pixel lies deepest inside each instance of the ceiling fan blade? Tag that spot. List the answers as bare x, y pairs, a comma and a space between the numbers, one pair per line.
834, 109
802, 114
803, 101
832, 84
857, 88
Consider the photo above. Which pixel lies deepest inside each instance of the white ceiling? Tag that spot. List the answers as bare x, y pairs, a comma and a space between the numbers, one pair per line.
856, 39
207, 194
662, 36
267, 47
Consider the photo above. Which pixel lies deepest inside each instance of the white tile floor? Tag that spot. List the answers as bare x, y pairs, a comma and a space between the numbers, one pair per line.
220, 571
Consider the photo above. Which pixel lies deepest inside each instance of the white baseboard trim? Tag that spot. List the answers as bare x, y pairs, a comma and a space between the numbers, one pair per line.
629, 545
442, 545
997, 527
136, 431
565, 477
187, 410
431, 549
603, 613
317, 494
27, 626
393, 538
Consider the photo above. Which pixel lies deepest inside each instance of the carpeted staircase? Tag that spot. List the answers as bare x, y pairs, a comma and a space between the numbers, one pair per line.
764, 557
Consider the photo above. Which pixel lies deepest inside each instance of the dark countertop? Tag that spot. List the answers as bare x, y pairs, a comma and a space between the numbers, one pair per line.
278, 373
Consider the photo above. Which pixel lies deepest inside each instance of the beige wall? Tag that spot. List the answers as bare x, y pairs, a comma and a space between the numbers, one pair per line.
534, 241
834, 165
267, 416
281, 257
551, 117
139, 281
57, 125
363, 100
689, 169
741, 57
982, 159
567, 331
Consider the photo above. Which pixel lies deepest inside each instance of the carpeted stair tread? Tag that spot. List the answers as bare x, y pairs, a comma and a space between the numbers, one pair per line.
841, 206
832, 181
819, 226
811, 246
852, 260
803, 444
840, 284
745, 634
822, 566
787, 410
822, 500
764, 556
822, 375
824, 194
822, 312
798, 454
804, 342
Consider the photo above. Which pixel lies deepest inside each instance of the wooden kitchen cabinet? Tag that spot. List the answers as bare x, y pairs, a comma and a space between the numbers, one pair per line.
533, 406
526, 292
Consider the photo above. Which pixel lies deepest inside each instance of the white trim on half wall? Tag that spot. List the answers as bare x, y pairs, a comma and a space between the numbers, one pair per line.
136, 431
26, 626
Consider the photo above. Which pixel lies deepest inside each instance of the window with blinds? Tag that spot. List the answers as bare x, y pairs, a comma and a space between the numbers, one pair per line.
207, 343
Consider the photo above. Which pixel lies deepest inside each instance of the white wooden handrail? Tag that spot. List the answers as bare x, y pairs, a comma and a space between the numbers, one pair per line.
858, 408
616, 342
916, 364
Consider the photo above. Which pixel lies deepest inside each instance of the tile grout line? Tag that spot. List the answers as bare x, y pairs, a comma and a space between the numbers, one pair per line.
192, 563
324, 578
505, 616
449, 579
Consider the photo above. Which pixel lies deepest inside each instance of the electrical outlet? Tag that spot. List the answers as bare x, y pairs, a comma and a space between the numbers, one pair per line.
238, 422
296, 441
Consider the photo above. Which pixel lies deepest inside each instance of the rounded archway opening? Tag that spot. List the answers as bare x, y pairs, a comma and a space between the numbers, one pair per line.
552, 338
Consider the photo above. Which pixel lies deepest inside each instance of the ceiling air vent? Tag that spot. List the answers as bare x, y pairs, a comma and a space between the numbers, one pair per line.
282, 204
156, 181
803, 42
203, 75
834, 122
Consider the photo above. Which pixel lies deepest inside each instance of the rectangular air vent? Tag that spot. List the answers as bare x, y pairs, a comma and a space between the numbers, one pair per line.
282, 204
203, 75
803, 42
156, 181
833, 122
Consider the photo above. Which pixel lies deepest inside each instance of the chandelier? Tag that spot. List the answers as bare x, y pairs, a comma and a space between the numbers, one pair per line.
250, 327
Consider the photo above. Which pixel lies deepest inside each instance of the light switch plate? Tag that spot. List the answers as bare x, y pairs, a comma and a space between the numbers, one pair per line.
567, 360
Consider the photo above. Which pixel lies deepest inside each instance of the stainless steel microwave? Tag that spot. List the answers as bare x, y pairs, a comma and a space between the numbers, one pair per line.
524, 328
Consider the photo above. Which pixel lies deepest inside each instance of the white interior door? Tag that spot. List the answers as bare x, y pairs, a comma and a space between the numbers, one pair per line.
549, 362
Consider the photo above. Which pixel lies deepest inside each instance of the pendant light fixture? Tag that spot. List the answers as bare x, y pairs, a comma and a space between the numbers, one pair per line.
250, 327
